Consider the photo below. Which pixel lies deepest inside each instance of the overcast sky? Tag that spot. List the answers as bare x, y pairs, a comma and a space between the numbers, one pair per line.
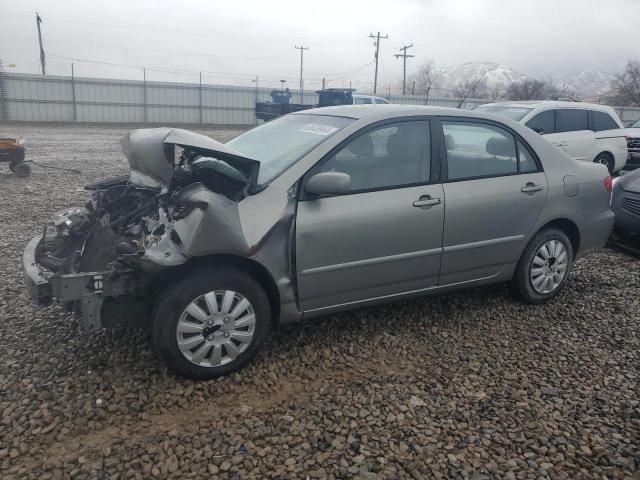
236, 40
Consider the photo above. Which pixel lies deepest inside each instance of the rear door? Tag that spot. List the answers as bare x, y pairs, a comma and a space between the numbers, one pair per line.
573, 134
384, 237
494, 190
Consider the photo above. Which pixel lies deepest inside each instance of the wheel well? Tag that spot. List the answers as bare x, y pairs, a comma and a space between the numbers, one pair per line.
253, 268
569, 228
609, 154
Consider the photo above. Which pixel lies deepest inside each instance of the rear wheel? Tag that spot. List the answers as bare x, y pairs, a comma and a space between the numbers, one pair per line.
211, 323
606, 160
19, 168
543, 267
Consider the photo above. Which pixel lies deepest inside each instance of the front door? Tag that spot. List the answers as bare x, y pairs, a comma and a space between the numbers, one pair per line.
385, 236
495, 191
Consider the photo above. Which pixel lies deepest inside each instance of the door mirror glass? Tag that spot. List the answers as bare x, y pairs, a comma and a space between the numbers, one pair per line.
329, 183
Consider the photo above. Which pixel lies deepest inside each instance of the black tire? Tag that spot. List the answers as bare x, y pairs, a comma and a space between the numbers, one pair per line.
196, 283
521, 284
21, 169
607, 160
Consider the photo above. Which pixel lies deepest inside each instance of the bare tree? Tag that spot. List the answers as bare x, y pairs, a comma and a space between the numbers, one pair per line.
553, 90
625, 89
527, 89
471, 88
426, 78
496, 92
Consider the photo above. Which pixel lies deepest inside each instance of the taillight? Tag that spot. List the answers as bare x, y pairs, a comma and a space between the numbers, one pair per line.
608, 183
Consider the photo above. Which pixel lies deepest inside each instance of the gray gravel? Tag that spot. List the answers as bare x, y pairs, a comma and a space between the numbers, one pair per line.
465, 385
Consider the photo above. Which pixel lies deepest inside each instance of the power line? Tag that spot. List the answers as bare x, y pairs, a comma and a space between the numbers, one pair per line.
377, 45
182, 30
404, 56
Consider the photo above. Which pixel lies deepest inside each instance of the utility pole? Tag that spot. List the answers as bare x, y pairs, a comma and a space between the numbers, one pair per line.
200, 98
73, 94
377, 45
302, 49
42, 57
404, 65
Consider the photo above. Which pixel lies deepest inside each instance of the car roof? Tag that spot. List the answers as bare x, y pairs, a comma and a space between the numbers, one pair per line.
548, 103
391, 110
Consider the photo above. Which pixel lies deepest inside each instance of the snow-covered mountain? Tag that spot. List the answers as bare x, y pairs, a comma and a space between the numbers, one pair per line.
495, 74
590, 83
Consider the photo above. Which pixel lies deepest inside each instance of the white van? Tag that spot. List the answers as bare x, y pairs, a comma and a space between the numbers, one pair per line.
586, 131
368, 100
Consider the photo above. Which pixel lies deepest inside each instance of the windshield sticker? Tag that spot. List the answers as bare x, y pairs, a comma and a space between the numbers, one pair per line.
318, 129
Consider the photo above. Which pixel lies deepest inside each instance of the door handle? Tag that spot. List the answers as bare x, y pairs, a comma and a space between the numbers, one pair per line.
561, 144
426, 201
531, 188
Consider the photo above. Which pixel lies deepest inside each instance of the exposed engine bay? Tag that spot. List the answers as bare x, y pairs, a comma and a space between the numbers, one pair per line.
182, 187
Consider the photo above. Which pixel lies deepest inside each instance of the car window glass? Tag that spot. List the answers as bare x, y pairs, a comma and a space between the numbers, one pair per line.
478, 150
361, 101
543, 123
380, 100
526, 160
572, 119
603, 121
388, 156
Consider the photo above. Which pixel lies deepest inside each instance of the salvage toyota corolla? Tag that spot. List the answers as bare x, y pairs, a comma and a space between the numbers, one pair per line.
316, 212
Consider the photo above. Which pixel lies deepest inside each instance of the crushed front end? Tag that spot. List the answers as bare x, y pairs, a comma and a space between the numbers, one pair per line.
109, 259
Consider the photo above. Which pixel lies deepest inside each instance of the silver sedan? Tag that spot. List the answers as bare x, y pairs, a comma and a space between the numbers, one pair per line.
316, 212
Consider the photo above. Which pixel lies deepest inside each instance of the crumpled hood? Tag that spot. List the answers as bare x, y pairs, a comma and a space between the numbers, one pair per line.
151, 156
630, 182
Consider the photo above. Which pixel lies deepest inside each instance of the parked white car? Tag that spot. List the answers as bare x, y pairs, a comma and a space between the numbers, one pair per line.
586, 131
368, 100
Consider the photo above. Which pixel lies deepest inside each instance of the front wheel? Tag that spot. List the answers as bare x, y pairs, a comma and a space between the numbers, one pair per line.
211, 323
606, 160
543, 267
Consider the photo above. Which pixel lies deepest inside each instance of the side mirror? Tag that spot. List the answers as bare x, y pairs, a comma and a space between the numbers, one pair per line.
329, 183
538, 130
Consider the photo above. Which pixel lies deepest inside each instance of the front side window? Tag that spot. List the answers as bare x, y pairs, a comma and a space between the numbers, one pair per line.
278, 144
603, 121
362, 101
543, 123
382, 101
388, 156
572, 120
478, 150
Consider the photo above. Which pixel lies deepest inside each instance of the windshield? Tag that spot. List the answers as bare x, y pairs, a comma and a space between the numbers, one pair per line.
514, 113
636, 125
280, 143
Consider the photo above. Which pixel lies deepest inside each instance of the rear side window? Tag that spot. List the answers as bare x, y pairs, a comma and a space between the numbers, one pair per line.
572, 120
381, 100
603, 121
543, 123
478, 150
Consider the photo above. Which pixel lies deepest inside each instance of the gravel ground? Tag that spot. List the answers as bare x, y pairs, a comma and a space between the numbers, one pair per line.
464, 385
